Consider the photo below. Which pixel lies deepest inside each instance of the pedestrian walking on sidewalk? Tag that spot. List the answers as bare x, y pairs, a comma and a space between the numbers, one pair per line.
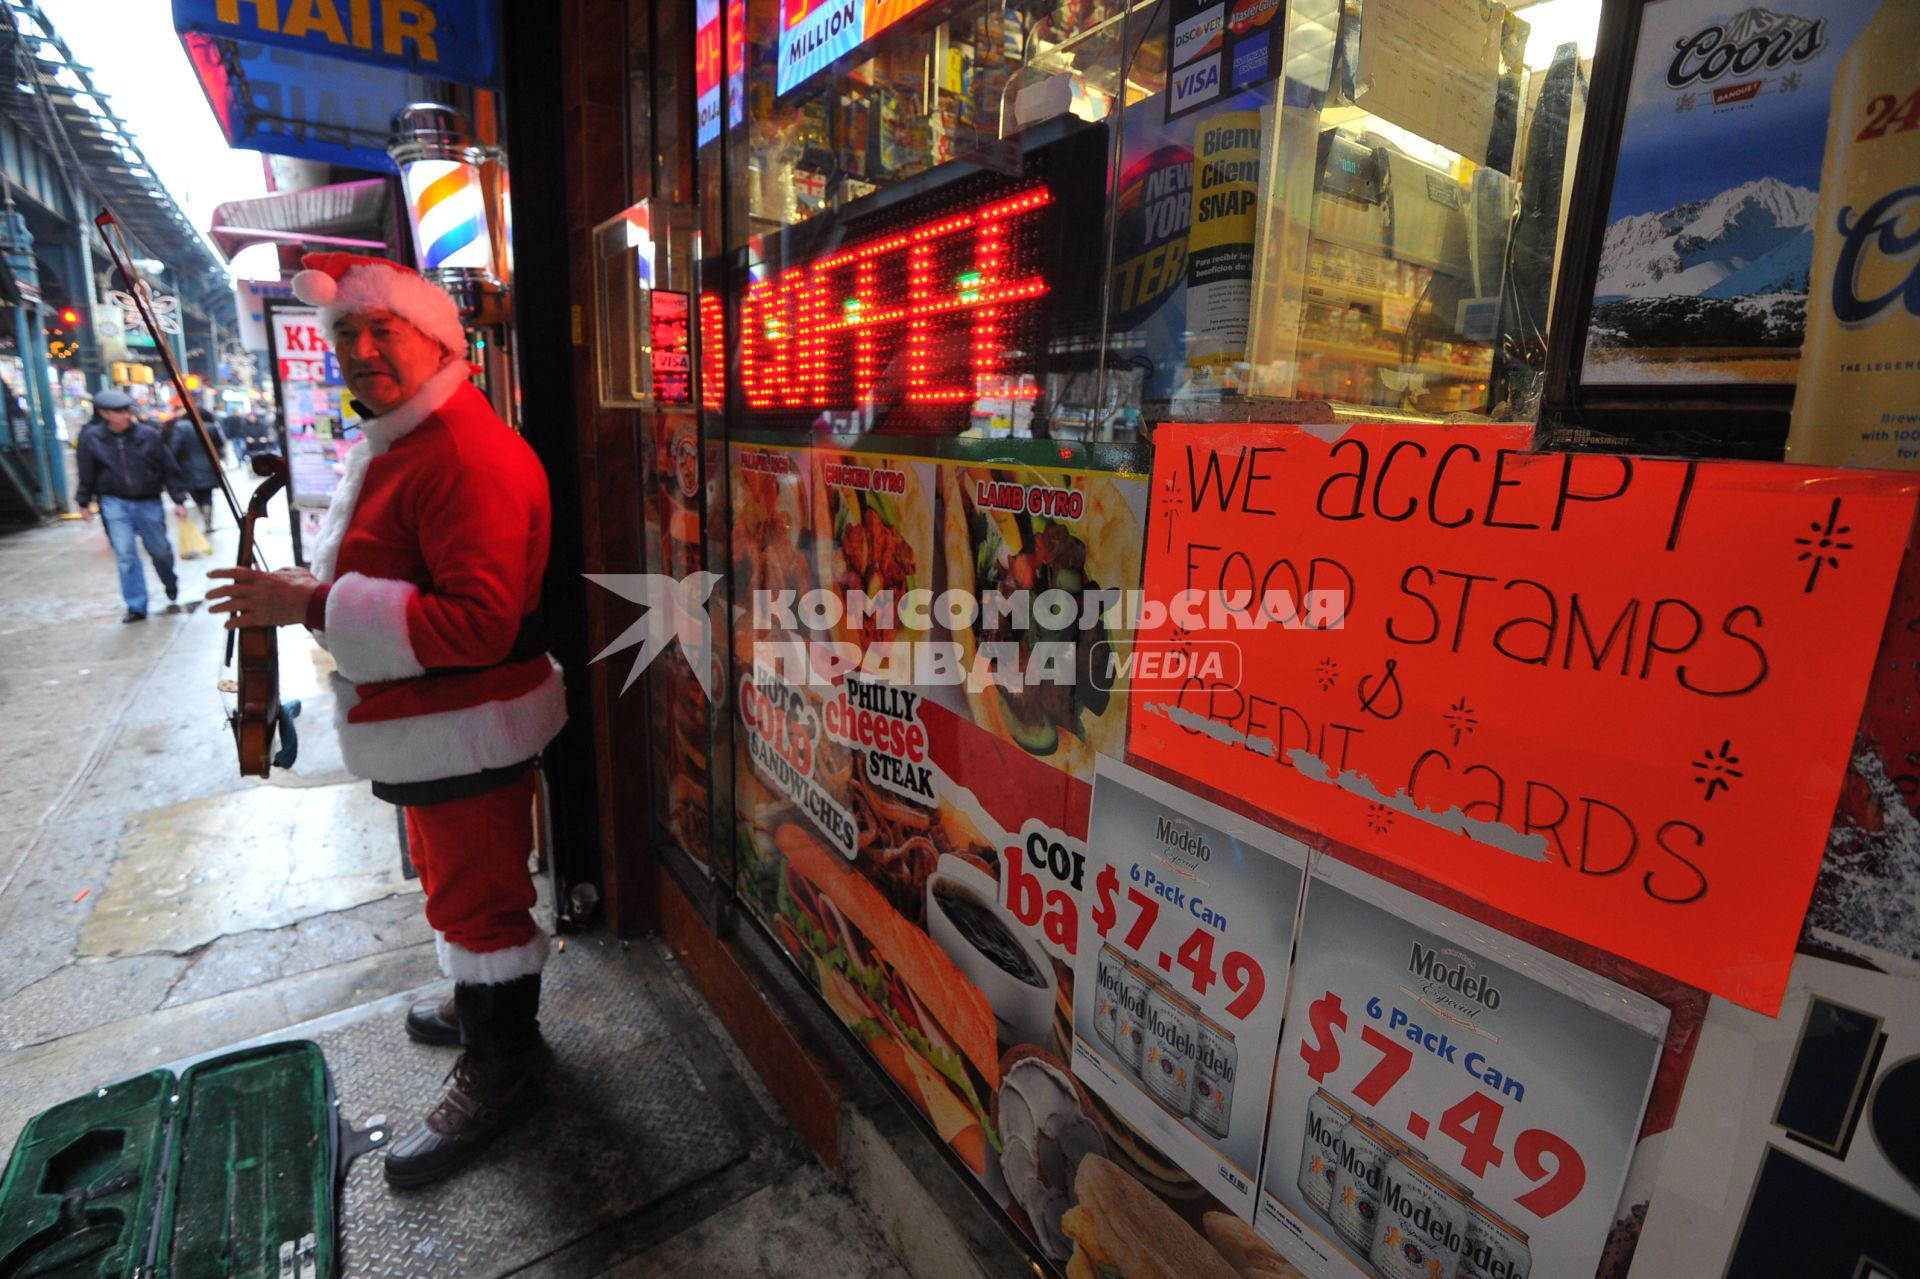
424, 588
234, 427
183, 441
126, 465
261, 437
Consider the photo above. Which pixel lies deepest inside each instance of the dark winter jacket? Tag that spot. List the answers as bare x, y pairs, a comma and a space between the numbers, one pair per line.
183, 441
136, 464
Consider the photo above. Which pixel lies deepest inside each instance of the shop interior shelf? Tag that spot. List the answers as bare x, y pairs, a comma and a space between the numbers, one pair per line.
1317, 287
1386, 356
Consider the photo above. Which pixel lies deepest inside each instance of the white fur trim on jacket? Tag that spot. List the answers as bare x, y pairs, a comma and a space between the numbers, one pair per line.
380, 433
491, 967
367, 629
426, 748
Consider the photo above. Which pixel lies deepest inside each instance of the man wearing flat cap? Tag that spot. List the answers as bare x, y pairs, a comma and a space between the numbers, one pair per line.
126, 464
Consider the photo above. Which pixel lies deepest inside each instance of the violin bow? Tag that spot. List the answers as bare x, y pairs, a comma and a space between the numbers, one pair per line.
118, 249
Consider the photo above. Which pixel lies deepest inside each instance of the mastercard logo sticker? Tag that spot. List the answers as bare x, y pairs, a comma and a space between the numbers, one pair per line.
1248, 15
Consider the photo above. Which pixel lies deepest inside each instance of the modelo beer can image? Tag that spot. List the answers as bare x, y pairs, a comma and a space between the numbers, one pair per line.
1496, 1249
1108, 973
1213, 1079
1422, 1228
1130, 1018
1173, 1049
1355, 1209
1857, 402
1326, 1140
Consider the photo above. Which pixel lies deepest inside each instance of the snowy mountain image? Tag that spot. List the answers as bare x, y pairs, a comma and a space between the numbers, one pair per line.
1755, 238
1764, 24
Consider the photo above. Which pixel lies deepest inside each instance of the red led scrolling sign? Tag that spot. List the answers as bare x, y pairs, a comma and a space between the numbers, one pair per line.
879, 320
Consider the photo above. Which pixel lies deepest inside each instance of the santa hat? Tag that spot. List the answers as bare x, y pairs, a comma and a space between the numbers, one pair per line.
343, 284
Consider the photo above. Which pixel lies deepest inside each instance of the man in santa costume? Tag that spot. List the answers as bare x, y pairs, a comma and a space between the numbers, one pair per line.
424, 588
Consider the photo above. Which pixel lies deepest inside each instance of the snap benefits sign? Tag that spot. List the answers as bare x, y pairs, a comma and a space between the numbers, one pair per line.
1613, 696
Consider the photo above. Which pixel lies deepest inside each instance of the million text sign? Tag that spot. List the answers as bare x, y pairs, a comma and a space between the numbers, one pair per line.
1610, 695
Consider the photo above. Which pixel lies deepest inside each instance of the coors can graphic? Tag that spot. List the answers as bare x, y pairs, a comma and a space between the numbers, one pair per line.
1858, 401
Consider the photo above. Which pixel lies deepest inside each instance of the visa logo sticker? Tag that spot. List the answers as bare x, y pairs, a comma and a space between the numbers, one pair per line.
1199, 34
1197, 83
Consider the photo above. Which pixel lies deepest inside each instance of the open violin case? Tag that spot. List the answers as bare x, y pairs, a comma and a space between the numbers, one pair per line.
232, 1168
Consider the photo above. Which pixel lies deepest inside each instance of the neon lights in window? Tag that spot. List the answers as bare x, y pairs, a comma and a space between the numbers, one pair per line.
916, 317
713, 352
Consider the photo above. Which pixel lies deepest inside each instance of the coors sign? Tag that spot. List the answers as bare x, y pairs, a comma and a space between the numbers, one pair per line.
1858, 401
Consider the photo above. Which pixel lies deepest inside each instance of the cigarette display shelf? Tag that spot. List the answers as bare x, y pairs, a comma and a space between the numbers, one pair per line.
1333, 289
1387, 358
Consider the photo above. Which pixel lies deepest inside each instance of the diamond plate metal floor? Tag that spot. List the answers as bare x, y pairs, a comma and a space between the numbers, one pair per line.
631, 1120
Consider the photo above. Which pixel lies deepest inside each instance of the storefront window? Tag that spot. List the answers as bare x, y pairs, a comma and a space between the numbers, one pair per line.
1007, 312
1354, 203
1404, 258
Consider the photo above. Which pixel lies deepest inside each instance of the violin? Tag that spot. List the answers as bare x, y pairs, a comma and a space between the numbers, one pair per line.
257, 715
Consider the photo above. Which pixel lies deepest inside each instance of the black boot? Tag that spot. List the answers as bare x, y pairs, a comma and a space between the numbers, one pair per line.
493, 1084
436, 1022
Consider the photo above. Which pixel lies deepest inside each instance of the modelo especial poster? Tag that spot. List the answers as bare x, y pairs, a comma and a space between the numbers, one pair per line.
1708, 247
1448, 1099
1178, 995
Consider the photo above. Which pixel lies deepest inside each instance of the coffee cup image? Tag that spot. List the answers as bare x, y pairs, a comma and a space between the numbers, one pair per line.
965, 918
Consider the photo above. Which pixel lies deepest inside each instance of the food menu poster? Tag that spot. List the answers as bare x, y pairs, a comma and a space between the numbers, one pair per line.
1447, 1096
1584, 689
1216, 48
312, 403
1180, 985
926, 867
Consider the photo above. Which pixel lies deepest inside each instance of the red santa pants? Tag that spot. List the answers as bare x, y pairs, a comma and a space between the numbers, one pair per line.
471, 855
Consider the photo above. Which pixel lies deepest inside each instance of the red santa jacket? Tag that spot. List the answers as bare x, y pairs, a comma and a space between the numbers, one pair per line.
434, 548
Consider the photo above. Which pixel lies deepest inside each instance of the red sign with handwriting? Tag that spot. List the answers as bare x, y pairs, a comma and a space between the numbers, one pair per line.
1613, 696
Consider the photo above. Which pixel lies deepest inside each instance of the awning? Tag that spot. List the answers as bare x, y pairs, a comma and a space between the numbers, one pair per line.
346, 215
436, 39
321, 79
290, 103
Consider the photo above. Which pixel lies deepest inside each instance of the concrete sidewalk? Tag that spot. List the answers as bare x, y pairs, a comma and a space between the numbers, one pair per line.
140, 874
156, 907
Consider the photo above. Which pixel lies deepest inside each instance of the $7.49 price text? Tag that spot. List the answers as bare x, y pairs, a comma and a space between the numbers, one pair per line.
1472, 1123
1141, 905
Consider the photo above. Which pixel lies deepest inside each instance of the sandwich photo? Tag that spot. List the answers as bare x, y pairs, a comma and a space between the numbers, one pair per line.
997, 552
870, 541
1121, 1230
1246, 1251
929, 1028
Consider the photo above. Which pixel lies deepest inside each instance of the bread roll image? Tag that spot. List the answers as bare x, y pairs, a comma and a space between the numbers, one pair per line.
1246, 1251
1120, 1228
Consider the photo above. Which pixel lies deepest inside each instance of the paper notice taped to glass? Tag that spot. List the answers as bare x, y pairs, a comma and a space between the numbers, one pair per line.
1433, 66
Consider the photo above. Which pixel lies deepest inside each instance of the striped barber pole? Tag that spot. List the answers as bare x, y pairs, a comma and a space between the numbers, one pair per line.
449, 215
